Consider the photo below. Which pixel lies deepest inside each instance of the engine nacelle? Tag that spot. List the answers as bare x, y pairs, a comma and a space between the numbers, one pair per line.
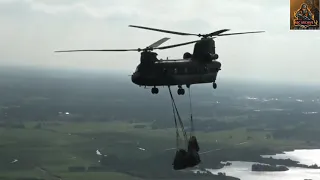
210, 57
215, 56
187, 55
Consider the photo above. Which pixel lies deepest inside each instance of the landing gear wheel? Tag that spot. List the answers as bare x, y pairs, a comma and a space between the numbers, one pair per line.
214, 85
181, 91
154, 90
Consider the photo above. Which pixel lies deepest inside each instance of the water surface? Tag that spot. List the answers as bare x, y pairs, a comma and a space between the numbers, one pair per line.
243, 171
304, 156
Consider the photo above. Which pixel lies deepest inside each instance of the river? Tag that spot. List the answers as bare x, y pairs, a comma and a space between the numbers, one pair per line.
242, 170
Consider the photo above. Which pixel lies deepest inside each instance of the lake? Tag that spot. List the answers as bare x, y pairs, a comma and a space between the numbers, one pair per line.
242, 170
304, 156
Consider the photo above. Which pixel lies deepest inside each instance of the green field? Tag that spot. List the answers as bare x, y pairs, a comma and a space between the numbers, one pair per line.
56, 146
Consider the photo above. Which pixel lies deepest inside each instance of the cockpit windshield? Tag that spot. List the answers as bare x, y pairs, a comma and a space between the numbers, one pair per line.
137, 68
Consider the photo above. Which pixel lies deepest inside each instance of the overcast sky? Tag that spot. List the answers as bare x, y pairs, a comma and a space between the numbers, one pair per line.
32, 29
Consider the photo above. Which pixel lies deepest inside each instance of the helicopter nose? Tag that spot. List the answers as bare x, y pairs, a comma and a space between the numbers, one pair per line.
135, 78
217, 64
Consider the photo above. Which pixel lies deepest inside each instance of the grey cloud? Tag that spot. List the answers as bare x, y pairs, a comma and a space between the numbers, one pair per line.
35, 28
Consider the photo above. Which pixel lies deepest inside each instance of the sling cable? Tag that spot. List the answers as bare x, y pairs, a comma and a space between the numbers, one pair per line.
185, 157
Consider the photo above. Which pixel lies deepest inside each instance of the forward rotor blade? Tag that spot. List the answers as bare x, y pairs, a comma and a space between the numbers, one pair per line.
100, 50
176, 45
165, 31
229, 34
158, 43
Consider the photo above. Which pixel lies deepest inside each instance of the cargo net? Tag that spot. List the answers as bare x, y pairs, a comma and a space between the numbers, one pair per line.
187, 156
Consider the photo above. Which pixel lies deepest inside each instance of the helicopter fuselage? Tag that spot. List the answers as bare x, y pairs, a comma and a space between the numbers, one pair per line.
175, 72
197, 68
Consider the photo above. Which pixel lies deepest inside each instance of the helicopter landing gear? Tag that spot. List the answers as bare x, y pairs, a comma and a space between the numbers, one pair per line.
154, 90
214, 85
180, 90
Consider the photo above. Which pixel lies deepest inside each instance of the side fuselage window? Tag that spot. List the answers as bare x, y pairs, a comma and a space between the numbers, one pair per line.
165, 71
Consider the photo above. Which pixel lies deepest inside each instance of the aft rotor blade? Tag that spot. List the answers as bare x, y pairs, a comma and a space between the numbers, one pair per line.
229, 34
165, 31
216, 33
158, 43
100, 50
176, 45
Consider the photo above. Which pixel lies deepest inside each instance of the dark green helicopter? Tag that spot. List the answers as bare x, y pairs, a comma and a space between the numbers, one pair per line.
197, 68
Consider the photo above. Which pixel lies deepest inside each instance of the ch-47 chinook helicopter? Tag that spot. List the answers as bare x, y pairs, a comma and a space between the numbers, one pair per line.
197, 68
